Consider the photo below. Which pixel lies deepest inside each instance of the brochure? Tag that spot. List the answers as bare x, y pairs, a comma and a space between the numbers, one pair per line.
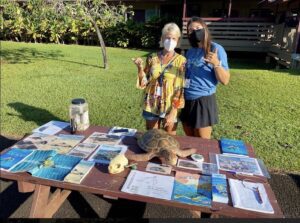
159, 168
62, 143
34, 141
205, 168
188, 164
51, 127
37, 158
219, 188
83, 150
232, 146
149, 184
192, 189
56, 167
79, 172
12, 157
47, 164
103, 138
105, 153
238, 164
121, 131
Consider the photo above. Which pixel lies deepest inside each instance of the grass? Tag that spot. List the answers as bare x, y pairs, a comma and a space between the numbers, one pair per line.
259, 106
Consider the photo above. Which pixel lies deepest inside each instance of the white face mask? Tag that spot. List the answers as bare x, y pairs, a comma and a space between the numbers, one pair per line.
170, 44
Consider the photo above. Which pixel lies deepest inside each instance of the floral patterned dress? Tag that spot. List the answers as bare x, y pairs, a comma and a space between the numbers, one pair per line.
163, 92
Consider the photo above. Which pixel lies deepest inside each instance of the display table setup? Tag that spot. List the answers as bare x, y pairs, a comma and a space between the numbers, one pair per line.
85, 161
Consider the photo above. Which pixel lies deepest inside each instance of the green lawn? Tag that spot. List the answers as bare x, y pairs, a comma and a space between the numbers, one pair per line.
259, 106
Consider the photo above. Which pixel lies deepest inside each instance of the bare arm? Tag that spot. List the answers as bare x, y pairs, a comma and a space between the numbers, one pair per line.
222, 75
141, 70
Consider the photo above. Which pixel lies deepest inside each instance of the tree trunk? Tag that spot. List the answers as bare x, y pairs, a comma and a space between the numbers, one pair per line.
102, 44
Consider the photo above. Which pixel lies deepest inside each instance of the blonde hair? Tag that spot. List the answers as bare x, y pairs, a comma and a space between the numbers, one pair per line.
170, 27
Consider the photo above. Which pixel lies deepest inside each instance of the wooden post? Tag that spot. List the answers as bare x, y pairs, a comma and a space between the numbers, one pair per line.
40, 200
297, 45
25, 187
229, 9
195, 214
184, 9
45, 206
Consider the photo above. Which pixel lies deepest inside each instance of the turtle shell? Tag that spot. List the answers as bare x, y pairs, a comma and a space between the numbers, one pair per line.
156, 139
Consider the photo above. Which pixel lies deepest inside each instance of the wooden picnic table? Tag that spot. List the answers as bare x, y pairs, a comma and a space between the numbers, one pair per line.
99, 181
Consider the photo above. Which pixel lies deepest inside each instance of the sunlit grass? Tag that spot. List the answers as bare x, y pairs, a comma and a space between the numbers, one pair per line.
259, 106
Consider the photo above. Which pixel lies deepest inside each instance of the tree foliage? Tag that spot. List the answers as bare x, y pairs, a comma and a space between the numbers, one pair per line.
62, 22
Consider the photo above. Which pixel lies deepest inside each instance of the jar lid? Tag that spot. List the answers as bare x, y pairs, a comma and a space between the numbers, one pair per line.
78, 101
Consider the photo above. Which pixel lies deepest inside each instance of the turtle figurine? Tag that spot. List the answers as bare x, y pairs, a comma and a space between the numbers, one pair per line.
158, 143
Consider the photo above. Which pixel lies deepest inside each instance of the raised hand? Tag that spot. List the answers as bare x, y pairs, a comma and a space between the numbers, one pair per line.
138, 62
212, 58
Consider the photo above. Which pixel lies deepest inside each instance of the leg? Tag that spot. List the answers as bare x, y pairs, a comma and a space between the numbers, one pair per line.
45, 205
189, 131
171, 129
152, 124
204, 133
25, 187
195, 214
40, 200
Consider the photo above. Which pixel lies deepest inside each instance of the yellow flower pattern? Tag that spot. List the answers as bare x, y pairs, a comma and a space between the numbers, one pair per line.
156, 100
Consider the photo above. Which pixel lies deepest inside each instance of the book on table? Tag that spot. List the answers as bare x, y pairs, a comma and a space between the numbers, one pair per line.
79, 172
238, 164
192, 189
219, 188
11, 158
231, 146
83, 150
105, 153
100, 138
250, 196
47, 164
62, 143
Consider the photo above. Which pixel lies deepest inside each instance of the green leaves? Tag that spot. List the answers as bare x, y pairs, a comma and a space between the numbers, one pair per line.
59, 21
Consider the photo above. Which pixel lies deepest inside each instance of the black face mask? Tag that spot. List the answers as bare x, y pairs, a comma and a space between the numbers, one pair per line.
196, 37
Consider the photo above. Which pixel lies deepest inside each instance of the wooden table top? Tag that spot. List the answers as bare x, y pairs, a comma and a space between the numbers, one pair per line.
99, 181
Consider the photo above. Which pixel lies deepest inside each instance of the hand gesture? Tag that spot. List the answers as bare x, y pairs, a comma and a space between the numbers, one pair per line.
170, 118
212, 58
138, 62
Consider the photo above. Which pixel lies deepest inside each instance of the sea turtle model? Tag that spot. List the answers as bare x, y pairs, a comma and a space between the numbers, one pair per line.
158, 143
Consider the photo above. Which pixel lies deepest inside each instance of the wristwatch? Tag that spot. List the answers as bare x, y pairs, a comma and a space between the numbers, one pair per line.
219, 65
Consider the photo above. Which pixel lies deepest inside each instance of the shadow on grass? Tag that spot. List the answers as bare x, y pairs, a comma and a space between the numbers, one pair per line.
6, 142
9, 202
286, 190
33, 114
29, 55
288, 71
296, 179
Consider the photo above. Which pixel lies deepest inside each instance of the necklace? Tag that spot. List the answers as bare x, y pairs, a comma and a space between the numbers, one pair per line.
168, 58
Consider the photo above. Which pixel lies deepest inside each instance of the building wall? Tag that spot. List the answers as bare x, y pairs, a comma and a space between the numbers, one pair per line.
209, 8
219, 8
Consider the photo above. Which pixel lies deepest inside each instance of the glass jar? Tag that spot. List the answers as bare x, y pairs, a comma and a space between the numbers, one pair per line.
79, 114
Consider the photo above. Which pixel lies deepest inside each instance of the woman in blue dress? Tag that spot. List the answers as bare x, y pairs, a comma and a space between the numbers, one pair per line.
206, 66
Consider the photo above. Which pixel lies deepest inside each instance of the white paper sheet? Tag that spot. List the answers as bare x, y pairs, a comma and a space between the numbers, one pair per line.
148, 184
244, 196
51, 127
